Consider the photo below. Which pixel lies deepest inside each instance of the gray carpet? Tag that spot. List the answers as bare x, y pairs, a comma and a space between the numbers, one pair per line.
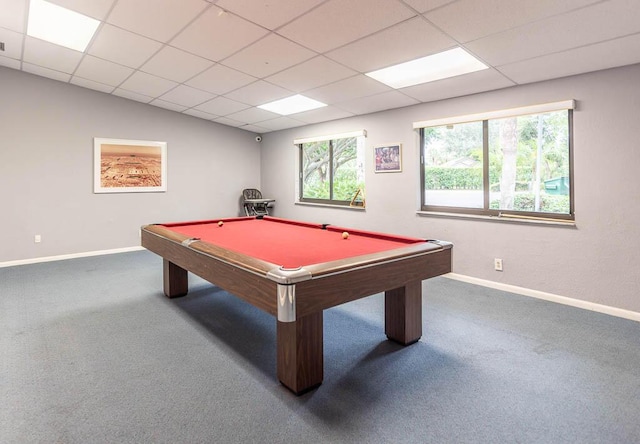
91, 352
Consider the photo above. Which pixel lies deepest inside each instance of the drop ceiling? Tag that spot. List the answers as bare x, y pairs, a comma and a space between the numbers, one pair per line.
219, 60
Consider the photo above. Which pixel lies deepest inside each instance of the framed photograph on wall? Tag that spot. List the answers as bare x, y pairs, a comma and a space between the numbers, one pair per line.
129, 166
388, 158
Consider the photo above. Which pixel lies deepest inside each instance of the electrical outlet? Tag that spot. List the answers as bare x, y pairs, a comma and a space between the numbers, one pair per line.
37, 238
497, 264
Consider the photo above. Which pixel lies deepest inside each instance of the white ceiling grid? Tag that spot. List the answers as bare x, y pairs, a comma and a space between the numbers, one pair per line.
219, 59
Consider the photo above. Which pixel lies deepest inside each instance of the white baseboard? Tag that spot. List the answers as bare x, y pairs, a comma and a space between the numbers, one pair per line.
613, 311
37, 260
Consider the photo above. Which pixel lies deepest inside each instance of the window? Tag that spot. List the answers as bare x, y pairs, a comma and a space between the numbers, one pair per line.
512, 163
331, 169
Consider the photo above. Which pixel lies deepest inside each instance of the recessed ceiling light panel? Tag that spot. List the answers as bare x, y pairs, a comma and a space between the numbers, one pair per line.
292, 105
451, 63
59, 25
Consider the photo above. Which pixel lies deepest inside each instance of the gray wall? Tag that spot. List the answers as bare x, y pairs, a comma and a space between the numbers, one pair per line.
46, 168
46, 181
596, 261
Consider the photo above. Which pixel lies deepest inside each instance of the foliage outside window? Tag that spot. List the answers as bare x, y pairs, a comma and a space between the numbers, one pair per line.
510, 166
332, 170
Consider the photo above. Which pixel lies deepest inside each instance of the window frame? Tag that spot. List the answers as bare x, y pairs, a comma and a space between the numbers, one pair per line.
299, 143
485, 118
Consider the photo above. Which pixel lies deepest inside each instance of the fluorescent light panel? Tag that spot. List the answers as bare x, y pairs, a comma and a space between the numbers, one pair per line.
59, 25
451, 63
292, 105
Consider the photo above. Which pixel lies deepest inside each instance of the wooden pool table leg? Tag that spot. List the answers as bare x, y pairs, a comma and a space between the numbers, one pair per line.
176, 282
300, 353
403, 313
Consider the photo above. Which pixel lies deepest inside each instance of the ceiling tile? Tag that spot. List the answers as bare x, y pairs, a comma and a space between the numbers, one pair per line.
157, 19
221, 106
571, 30
9, 63
90, 84
228, 122
221, 59
216, 35
406, 41
123, 47
311, 74
13, 14
253, 115
200, 114
102, 71
259, 93
479, 81
12, 43
97, 9
378, 102
271, 14
187, 96
174, 64
46, 72
338, 22
219, 80
148, 85
48, 55
131, 95
268, 56
256, 129
618, 52
322, 114
343, 90
281, 123
426, 5
168, 105
468, 20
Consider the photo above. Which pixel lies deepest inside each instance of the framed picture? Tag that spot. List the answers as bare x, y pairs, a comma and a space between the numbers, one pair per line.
388, 158
129, 166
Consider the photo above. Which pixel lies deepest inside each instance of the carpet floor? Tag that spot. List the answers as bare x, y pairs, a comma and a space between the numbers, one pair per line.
92, 352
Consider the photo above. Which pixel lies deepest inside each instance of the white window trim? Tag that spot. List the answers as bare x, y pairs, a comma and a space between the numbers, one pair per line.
330, 137
500, 114
501, 218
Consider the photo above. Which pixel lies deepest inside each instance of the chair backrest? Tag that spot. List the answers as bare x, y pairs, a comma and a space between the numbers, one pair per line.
251, 193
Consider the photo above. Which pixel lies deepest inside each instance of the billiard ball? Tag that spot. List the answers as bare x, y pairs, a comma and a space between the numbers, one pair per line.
220, 223
345, 235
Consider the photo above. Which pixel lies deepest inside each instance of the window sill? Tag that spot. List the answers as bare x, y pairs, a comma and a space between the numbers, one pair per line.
340, 207
501, 219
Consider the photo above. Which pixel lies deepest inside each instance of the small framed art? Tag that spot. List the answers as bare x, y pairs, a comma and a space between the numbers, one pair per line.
388, 158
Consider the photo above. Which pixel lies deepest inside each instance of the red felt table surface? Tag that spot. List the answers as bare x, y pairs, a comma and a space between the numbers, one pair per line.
288, 243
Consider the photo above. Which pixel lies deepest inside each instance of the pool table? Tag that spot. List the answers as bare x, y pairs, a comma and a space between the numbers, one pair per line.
294, 270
